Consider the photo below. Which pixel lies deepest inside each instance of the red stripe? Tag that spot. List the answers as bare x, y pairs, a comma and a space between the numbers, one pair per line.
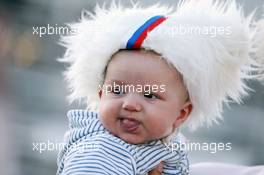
143, 35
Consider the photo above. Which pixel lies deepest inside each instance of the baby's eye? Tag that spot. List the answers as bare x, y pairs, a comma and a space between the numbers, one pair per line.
117, 91
150, 95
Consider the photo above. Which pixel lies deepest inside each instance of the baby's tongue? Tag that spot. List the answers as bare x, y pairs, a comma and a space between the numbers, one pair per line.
129, 124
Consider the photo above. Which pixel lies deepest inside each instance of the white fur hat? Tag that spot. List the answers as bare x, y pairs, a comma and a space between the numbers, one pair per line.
208, 42
259, 40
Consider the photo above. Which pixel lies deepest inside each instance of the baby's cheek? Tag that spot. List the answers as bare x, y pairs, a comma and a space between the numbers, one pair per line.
107, 120
107, 107
108, 111
159, 129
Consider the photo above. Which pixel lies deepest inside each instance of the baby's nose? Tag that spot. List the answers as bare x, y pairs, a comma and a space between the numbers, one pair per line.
132, 103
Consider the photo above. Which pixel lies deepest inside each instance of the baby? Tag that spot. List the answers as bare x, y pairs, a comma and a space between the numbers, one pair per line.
125, 138
142, 78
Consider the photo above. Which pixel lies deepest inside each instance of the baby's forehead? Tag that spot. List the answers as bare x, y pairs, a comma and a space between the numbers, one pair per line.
143, 56
146, 62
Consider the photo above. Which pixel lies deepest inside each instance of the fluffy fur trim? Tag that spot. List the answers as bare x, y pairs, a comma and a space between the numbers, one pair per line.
259, 39
214, 65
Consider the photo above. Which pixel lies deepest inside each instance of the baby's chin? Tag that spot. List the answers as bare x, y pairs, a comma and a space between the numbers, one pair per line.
133, 138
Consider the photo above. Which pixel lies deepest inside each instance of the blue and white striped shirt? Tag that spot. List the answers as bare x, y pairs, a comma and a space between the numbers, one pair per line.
90, 150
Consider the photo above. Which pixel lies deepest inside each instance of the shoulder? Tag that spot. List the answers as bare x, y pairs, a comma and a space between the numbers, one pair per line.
179, 158
100, 153
79, 118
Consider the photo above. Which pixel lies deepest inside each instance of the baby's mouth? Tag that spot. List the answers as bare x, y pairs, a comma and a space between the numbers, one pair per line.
129, 125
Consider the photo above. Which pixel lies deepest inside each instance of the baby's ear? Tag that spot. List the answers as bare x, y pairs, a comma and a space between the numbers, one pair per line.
184, 114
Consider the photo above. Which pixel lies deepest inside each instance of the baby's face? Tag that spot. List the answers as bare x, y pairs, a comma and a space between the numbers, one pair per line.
137, 116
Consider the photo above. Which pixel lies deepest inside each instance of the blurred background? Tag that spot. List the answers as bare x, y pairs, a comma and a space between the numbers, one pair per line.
32, 93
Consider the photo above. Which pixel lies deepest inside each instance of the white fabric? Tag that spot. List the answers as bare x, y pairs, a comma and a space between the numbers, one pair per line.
224, 169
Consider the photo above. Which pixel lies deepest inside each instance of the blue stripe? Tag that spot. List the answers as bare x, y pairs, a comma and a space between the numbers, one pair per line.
140, 30
93, 164
83, 160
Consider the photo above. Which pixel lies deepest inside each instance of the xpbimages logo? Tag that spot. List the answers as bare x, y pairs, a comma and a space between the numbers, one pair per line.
130, 88
45, 146
52, 30
211, 147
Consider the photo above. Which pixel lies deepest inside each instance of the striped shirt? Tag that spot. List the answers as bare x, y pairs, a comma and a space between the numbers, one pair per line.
90, 150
